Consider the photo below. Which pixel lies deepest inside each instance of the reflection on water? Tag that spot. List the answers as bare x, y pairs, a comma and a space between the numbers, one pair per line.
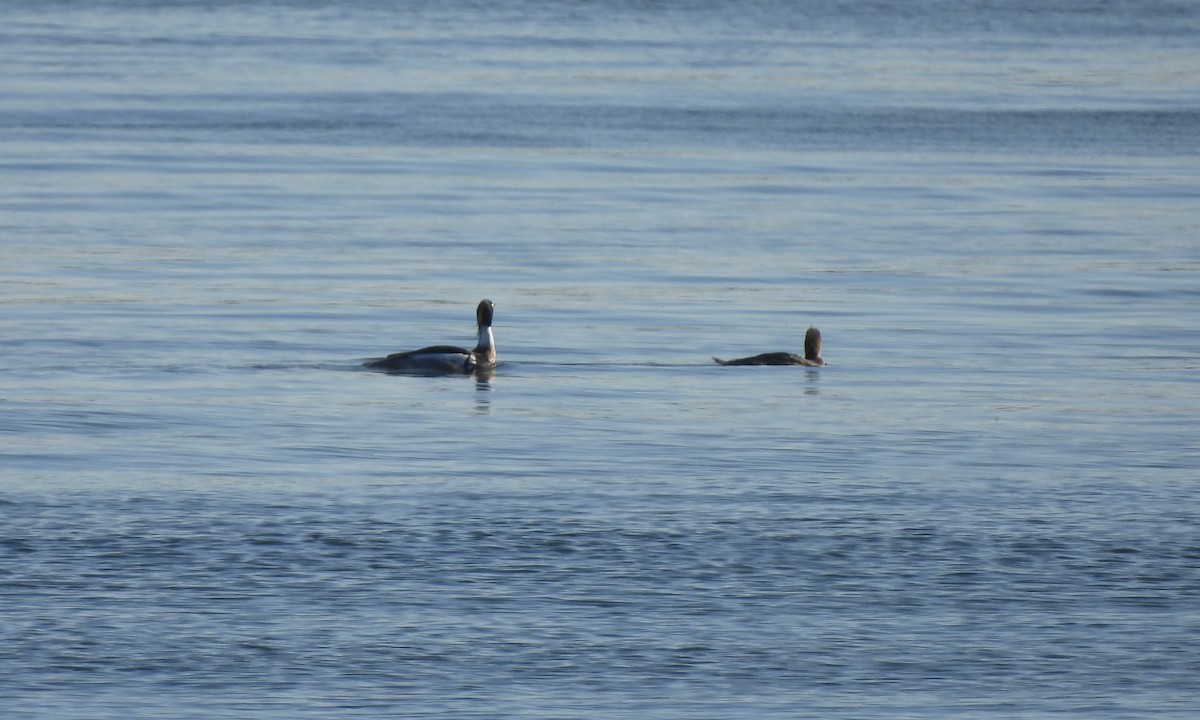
483, 386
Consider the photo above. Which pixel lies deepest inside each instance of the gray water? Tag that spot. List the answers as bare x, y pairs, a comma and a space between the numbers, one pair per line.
986, 506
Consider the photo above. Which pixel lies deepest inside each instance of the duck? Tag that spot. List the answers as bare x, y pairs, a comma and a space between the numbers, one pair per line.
812, 354
447, 359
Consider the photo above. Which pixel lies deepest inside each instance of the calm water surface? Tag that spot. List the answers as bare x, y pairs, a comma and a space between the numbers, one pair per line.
986, 506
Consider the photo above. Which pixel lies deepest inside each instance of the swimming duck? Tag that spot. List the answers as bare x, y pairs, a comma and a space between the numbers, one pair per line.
447, 359
812, 354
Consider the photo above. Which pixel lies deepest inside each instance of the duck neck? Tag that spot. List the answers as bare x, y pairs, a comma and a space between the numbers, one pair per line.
485, 348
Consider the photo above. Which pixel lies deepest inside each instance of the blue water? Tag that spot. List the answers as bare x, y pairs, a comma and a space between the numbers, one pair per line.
986, 506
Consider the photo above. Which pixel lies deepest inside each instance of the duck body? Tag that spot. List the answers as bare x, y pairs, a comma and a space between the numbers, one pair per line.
772, 358
447, 359
811, 358
434, 360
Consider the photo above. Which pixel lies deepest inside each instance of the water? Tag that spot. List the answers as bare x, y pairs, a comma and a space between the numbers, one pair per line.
986, 506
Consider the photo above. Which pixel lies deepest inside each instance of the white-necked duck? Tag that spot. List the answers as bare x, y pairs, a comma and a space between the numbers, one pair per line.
447, 359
